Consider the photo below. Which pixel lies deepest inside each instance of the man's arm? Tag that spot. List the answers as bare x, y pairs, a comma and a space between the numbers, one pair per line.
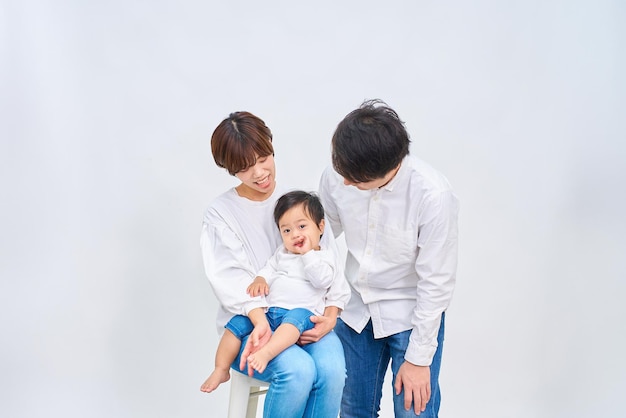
330, 209
436, 270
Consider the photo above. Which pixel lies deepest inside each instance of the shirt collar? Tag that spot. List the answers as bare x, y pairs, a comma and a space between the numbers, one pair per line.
389, 186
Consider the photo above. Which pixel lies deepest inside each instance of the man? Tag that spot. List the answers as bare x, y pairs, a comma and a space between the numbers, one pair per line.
399, 217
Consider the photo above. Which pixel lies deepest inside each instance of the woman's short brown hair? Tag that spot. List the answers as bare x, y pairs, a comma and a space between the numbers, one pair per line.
238, 140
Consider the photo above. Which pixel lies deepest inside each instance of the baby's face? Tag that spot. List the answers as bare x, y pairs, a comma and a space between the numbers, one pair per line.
299, 232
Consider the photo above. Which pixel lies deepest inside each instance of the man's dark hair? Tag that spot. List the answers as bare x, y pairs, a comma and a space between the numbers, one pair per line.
312, 205
369, 142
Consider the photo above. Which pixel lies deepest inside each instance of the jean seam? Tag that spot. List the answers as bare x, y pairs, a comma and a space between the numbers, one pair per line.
383, 358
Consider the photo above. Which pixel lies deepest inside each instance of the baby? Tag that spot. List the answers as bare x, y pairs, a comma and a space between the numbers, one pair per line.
294, 282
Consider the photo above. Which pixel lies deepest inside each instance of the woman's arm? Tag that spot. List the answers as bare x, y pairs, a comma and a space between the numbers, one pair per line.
259, 336
228, 268
323, 325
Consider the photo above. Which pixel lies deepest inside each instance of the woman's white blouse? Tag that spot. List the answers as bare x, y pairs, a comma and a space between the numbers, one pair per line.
238, 237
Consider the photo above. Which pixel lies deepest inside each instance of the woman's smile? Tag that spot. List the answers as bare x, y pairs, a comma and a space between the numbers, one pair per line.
264, 182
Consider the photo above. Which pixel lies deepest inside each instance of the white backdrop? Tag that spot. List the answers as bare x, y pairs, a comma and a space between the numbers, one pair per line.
106, 114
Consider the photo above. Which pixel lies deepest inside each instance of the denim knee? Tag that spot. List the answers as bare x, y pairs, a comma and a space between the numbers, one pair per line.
295, 367
329, 359
299, 318
240, 326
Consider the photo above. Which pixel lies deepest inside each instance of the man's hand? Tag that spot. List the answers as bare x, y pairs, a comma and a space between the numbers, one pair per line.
323, 325
416, 383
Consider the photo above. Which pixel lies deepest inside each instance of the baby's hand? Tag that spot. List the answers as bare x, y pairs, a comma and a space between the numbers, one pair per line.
258, 287
303, 247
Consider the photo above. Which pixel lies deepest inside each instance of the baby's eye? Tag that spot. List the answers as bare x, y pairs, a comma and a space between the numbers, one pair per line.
302, 226
286, 230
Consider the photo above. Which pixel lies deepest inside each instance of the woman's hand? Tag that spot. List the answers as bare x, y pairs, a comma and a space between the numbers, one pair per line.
259, 336
323, 325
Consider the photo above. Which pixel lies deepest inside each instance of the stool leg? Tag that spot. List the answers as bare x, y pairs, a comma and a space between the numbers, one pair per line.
244, 396
253, 401
239, 397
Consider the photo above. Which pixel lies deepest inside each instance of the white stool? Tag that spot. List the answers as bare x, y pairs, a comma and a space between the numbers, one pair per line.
244, 395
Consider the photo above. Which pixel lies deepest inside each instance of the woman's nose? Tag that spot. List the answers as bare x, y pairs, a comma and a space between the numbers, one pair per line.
257, 170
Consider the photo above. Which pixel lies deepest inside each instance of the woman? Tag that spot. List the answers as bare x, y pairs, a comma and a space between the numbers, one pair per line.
238, 236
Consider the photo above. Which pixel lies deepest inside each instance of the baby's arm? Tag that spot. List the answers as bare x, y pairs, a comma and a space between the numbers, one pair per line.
259, 287
319, 268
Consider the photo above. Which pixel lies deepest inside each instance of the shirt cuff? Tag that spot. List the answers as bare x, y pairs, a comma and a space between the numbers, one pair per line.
336, 303
420, 355
253, 304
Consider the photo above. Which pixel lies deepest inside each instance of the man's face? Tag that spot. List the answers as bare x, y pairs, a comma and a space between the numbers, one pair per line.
373, 184
367, 185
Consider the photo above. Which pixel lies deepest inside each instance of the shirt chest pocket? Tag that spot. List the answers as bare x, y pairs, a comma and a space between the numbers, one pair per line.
397, 245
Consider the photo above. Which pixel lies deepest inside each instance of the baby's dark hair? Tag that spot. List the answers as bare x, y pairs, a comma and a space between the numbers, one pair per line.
311, 203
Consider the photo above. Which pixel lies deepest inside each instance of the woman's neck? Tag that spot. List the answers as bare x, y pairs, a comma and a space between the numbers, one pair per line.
251, 194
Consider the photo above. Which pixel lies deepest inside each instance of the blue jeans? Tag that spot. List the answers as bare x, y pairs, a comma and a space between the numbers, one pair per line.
367, 359
305, 381
241, 326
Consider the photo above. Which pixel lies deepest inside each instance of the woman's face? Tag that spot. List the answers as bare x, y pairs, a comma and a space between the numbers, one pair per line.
258, 181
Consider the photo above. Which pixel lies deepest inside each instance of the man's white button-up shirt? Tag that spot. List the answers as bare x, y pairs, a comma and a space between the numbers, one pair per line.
402, 252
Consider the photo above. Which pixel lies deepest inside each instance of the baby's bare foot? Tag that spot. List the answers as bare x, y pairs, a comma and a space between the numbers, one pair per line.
216, 378
259, 360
